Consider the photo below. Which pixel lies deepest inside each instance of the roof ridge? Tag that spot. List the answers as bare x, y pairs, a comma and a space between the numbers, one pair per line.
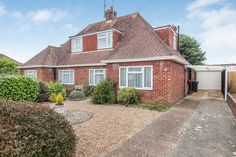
116, 18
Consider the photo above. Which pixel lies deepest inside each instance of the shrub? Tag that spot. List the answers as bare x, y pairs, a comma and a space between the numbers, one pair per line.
68, 91
43, 93
59, 99
88, 90
19, 88
76, 95
34, 130
128, 96
54, 88
104, 92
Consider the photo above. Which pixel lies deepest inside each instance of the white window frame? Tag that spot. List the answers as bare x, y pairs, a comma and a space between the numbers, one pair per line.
77, 48
106, 36
104, 73
175, 42
31, 72
143, 79
60, 72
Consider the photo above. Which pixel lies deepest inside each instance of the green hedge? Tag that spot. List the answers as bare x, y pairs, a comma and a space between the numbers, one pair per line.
19, 88
29, 130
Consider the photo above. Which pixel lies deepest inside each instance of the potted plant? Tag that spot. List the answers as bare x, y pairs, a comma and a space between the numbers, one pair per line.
59, 99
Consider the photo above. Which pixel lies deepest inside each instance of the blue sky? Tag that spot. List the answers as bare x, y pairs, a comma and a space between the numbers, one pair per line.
28, 26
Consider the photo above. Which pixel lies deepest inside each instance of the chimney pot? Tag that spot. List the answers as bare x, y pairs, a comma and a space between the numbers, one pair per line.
110, 14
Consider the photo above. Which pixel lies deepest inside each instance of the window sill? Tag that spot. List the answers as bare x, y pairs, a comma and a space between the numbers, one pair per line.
143, 89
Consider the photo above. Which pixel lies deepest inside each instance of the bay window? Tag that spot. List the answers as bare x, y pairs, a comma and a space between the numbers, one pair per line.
31, 73
77, 44
139, 77
66, 77
96, 76
105, 40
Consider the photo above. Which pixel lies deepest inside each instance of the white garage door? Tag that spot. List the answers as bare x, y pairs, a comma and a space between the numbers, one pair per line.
209, 80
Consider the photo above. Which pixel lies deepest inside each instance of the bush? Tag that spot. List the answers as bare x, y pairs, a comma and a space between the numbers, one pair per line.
68, 91
59, 99
19, 88
88, 90
55, 88
33, 130
76, 95
43, 93
104, 92
128, 96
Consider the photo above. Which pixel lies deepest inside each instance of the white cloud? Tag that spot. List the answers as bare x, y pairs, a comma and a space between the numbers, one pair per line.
2, 10
200, 4
46, 15
217, 29
71, 27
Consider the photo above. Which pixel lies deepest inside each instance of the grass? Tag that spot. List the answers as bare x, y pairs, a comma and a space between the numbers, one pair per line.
155, 107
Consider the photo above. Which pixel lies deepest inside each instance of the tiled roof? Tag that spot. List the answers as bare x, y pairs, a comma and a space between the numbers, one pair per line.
4, 56
138, 41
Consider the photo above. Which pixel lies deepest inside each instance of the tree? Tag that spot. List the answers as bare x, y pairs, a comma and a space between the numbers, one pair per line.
8, 67
191, 50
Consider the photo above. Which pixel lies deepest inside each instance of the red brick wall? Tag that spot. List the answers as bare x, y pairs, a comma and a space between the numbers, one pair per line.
167, 35
168, 81
177, 81
43, 74
90, 42
116, 38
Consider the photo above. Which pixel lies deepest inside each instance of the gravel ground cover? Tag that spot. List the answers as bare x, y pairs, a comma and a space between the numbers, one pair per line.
109, 127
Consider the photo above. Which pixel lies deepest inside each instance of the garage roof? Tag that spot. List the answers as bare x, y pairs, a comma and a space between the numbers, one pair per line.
206, 68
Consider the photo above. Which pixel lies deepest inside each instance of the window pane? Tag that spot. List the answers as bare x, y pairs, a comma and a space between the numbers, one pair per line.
147, 77
99, 78
77, 44
135, 80
102, 43
135, 69
99, 71
123, 77
91, 75
66, 78
109, 40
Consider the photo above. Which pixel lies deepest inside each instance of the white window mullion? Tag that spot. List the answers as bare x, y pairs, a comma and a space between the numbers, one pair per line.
142, 77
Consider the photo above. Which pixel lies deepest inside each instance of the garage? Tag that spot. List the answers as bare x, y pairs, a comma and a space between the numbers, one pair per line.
209, 80
208, 77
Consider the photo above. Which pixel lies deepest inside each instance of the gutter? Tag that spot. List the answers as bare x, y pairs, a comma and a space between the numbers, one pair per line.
174, 58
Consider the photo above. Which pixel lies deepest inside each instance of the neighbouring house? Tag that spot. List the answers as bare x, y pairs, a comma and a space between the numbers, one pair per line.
126, 49
2, 56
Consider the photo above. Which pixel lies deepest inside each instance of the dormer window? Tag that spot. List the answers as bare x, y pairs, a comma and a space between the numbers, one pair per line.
77, 44
105, 40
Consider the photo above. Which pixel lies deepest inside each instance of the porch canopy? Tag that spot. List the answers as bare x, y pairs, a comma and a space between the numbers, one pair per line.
206, 68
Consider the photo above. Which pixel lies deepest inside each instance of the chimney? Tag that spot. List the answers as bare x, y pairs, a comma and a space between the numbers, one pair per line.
110, 14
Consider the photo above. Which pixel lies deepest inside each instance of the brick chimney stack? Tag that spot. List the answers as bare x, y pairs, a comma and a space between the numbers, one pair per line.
110, 14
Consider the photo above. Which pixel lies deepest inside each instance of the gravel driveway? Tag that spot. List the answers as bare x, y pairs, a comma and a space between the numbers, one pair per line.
109, 127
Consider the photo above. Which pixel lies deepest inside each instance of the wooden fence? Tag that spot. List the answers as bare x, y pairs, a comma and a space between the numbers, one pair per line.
232, 82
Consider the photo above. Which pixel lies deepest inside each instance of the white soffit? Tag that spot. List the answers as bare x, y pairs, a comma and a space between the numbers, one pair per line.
206, 68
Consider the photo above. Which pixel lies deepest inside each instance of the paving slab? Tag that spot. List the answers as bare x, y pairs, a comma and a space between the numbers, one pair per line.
159, 138
211, 132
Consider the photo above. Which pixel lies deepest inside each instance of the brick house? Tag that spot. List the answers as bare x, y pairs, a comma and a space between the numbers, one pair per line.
124, 49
